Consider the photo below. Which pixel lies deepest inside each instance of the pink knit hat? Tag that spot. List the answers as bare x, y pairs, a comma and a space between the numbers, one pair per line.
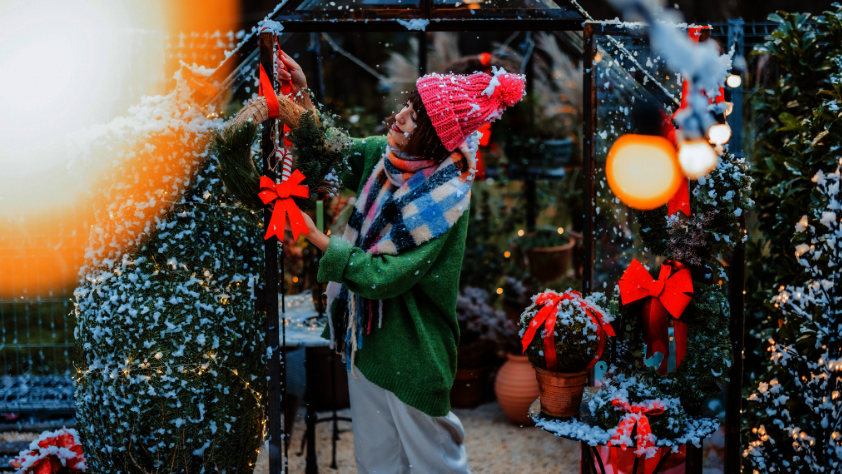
458, 105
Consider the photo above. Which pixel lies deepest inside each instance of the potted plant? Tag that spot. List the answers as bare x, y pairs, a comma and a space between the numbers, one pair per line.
479, 326
563, 335
641, 412
547, 253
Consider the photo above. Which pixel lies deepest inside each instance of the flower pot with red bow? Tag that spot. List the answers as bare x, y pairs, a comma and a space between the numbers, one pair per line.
563, 337
637, 414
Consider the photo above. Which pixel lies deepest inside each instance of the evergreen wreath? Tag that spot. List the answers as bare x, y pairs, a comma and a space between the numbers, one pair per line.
699, 241
318, 149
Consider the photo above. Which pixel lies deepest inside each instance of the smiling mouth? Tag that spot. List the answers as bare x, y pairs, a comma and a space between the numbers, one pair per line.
395, 128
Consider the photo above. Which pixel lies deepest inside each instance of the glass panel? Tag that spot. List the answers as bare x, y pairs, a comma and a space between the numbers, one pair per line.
627, 73
498, 4
351, 5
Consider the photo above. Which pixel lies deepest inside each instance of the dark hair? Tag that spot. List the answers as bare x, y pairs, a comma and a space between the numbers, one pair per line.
423, 141
472, 64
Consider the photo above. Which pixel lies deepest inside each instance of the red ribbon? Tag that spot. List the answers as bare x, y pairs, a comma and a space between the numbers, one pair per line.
547, 316
666, 294
636, 414
284, 204
680, 201
271, 99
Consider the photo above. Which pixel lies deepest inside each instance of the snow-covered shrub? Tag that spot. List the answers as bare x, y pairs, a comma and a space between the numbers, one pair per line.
635, 390
478, 320
171, 368
575, 331
799, 398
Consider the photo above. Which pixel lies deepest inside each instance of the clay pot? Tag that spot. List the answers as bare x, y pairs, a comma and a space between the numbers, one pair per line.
561, 393
469, 387
516, 388
549, 263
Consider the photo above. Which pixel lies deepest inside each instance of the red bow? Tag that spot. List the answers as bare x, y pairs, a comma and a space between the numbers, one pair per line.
285, 205
547, 316
666, 294
636, 414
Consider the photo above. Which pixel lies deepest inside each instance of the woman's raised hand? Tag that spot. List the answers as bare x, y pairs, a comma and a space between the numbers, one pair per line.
294, 73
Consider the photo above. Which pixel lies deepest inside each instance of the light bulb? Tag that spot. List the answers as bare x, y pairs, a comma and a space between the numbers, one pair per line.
719, 134
697, 158
642, 171
734, 81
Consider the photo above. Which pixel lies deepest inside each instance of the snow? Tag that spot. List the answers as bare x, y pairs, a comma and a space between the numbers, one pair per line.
495, 81
270, 25
415, 24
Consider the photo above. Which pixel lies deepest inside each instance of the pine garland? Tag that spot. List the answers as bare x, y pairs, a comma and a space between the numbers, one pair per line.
233, 148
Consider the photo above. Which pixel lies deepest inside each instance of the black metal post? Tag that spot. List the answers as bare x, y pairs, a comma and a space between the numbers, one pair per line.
733, 389
310, 418
588, 152
277, 456
735, 119
316, 48
693, 462
529, 189
335, 421
422, 53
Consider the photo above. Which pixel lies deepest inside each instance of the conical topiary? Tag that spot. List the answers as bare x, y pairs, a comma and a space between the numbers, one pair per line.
172, 361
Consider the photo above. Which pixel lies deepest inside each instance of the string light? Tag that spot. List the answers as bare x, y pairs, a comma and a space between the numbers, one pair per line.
734, 81
696, 158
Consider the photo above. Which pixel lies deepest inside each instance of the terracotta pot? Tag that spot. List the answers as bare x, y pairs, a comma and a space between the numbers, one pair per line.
561, 393
516, 388
469, 387
549, 263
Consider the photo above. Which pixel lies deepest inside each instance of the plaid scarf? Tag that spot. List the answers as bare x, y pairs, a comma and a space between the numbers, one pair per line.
406, 202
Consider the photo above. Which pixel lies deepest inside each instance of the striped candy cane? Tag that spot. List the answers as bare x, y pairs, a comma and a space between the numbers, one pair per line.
285, 156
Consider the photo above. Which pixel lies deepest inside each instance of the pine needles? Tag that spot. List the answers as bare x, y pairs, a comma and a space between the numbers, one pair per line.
318, 150
232, 147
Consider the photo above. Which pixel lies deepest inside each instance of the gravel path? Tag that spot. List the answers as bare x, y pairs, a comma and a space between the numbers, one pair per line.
494, 445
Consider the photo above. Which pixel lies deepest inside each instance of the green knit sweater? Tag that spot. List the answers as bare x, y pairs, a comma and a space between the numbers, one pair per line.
413, 354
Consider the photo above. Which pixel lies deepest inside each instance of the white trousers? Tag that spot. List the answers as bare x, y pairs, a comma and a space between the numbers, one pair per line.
391, 437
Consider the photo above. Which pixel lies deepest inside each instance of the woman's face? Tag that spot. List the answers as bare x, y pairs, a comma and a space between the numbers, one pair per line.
404, 124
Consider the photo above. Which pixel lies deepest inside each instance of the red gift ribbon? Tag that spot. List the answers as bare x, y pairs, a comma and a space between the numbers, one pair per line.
284, 204
666, 294
635, 414
266, 85
548, 315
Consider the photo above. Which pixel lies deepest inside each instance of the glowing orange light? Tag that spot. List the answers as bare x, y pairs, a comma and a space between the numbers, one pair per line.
642, 171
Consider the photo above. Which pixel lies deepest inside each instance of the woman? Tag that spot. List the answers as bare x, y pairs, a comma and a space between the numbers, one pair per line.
394, 274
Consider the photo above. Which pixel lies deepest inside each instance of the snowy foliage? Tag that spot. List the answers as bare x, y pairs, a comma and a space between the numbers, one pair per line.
575, 332
171, 359
809, 441
672, 429
710, 234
